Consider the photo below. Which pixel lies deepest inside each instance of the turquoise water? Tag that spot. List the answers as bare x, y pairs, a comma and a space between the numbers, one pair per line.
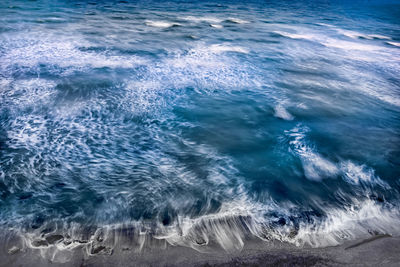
200, 123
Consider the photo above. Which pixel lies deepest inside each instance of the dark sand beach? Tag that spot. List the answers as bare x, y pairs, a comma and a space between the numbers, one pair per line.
378, 250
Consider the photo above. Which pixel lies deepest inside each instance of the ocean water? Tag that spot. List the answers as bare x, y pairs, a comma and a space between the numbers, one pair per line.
197, 124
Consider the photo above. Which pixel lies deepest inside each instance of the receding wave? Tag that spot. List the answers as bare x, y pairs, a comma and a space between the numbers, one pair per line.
229, 228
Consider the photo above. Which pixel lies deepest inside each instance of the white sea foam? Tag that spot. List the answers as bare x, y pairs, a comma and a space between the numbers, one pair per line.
379, 89
217, 26
394, 43
327, 41
346, 45
237, 20
211, 20
220, 48
5, 83
356, 35
59, 52
30, 135
378, 36
281, 112
326, 25
353, 34
161, 24
360, 174
315, 166
305, 36
28, 93
205, 67
357, 220
224, 228
141, 97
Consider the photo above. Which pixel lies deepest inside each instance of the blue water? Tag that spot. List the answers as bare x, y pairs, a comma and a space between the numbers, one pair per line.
200, 123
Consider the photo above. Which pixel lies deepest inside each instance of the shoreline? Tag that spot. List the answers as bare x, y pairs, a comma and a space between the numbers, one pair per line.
378, 250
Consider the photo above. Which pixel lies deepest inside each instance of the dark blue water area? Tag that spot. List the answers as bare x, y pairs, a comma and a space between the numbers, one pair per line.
184, 118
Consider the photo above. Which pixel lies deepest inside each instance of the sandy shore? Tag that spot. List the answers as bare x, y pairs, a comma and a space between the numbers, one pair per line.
380, 250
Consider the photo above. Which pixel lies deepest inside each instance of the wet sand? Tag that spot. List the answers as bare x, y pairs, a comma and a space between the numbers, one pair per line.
379, 250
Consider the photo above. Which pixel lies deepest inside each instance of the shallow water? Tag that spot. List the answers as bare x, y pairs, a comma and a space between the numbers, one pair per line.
199, 123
